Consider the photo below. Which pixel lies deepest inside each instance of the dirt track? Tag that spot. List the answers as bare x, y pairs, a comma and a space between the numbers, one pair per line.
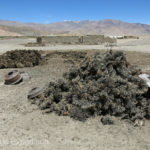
24, 126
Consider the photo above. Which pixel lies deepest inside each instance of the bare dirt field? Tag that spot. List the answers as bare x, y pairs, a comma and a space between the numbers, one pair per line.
24, 127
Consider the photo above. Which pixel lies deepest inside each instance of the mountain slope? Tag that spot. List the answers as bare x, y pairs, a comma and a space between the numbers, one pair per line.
107, 27
4, 32
19, 31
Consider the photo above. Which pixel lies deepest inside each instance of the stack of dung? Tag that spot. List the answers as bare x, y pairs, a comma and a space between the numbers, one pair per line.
20, 59
104, 84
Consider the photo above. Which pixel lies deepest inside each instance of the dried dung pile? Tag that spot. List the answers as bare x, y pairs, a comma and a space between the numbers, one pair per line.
104, 84
20, 59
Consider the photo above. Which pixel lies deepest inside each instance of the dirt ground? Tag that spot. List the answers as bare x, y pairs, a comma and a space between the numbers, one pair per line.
139, 45
23, 126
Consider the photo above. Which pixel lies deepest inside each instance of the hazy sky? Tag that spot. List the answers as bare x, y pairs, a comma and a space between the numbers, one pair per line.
46, 11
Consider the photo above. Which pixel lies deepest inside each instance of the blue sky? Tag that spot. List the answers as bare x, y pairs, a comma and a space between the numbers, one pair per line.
47, 11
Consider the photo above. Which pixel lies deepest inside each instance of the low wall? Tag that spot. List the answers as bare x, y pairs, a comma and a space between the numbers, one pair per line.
88, 39
130, 37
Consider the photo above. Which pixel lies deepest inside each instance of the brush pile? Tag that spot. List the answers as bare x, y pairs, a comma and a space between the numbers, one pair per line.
104, 84
20, 59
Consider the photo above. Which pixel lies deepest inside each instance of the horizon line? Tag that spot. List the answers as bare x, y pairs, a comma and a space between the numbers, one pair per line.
70, 21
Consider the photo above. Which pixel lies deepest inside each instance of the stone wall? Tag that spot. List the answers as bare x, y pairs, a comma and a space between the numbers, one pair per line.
88, 39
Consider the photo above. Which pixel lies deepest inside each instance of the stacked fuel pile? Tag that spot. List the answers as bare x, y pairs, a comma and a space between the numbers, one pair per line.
20, 59
104, 84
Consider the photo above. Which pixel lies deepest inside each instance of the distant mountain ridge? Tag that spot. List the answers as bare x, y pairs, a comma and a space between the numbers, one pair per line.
106, 27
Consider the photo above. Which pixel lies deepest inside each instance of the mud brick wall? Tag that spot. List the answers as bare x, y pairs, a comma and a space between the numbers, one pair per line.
97, 39
60, 39
88, 39
130, 37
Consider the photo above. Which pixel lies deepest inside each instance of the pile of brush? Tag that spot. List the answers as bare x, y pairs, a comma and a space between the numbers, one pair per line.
104, 84
20, 59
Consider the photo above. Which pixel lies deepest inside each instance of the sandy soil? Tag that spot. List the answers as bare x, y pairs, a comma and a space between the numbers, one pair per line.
24, 127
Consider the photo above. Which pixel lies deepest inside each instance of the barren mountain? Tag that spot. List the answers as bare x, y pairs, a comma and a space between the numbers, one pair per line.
107, 27
4, 32
15, 30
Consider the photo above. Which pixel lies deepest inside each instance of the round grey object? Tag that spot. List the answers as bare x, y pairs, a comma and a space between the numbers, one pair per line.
35, 92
